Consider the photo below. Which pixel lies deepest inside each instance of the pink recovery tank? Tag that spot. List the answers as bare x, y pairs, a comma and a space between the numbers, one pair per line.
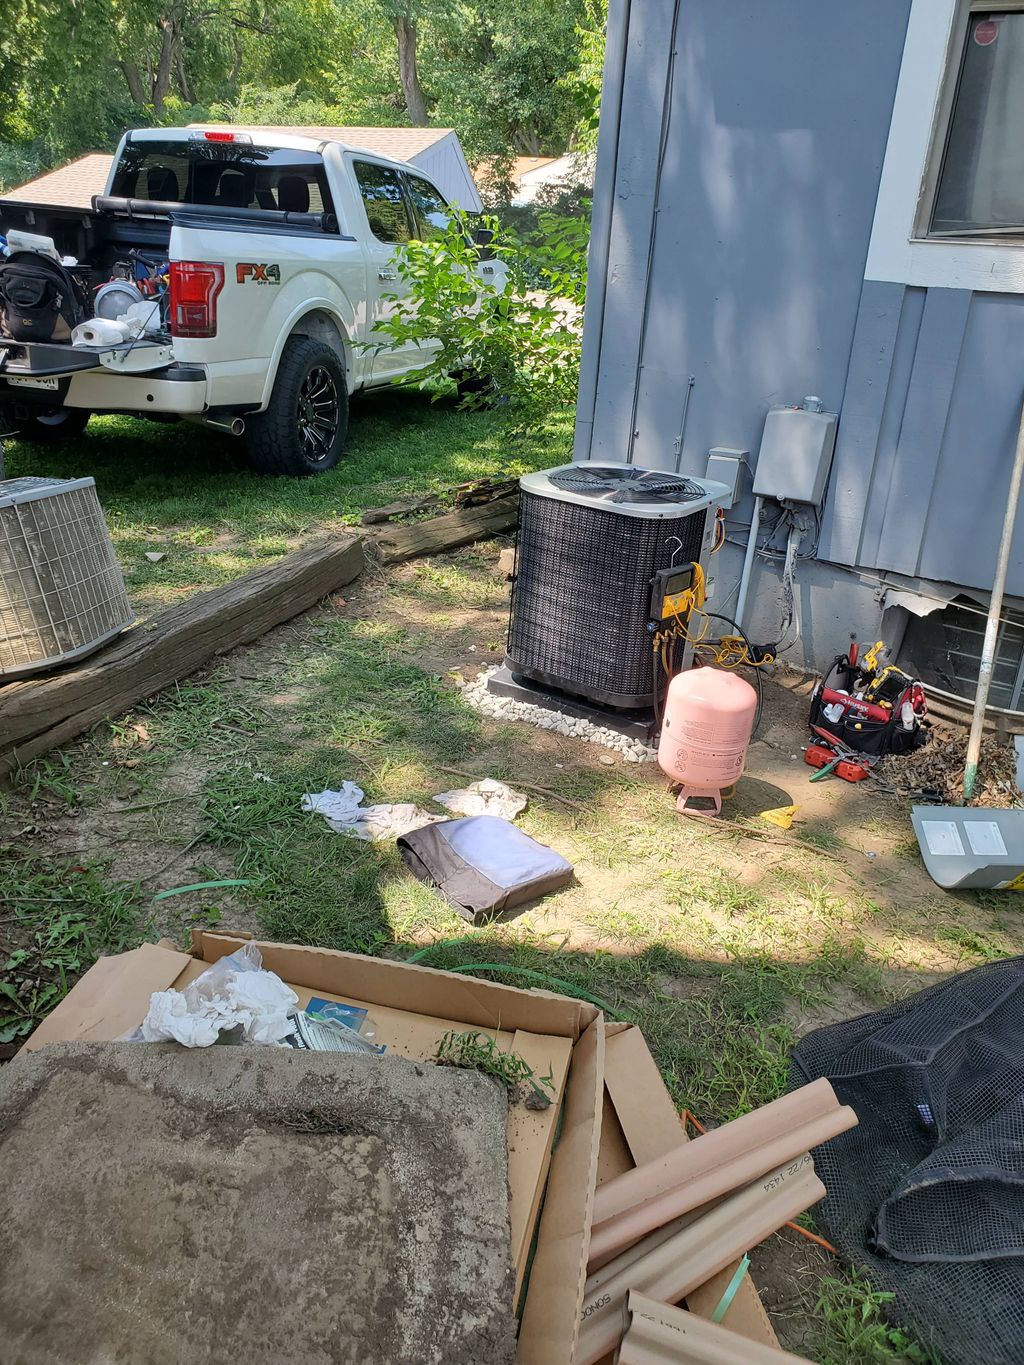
709, 718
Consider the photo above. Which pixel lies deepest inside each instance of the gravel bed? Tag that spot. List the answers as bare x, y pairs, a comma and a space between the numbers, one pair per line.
505, 708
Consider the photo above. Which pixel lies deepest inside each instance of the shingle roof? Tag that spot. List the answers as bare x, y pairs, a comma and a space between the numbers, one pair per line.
73, 184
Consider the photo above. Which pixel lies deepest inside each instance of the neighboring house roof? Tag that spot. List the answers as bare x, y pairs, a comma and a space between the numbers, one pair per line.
573, 168
73, 184
436, 150
523, 165
483, 171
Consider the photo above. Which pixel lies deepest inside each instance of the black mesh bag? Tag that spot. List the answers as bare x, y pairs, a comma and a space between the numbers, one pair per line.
927, 1192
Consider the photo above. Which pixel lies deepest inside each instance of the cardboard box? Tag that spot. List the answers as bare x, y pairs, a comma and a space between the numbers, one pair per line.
413, 1007
615, 1110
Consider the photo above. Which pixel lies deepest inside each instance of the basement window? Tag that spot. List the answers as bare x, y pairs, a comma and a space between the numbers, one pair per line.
975, 185
944, 649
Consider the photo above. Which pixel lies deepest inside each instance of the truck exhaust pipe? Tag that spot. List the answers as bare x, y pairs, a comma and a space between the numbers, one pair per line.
234, 426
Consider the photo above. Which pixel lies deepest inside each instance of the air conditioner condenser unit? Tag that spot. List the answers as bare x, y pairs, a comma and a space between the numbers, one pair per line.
62, 594
592, 537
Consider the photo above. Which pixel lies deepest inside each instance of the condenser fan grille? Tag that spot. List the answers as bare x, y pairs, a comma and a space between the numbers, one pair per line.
626, 485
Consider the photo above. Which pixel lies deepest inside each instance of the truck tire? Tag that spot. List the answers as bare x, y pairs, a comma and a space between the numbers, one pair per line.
303, 429
44, 427
472, 384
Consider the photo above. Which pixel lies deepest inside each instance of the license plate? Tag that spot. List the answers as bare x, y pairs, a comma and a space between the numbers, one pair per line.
42, 382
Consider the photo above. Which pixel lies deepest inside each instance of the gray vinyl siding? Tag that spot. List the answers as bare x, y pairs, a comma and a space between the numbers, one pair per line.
738, 169
446, 165
931, 414
773, 120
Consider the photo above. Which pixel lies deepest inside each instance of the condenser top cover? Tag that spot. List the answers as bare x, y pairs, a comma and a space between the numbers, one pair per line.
625, 488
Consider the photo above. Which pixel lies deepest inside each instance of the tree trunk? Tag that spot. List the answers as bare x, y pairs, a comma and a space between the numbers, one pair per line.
133, 77
184, 89
526, 142
415, 101
236, 65
168, 47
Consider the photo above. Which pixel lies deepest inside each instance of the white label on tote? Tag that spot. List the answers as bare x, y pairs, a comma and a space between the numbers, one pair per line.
942, 838
984, 837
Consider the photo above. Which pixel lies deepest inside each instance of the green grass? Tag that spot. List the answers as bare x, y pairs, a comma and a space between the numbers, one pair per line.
854, 1327
722, 949
54, 923
186, 491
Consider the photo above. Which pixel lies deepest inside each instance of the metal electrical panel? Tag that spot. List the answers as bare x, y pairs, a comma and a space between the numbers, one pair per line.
796, 453
725, 465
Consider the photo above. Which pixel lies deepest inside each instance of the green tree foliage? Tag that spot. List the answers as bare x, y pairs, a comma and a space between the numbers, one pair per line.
510, 79
518, 345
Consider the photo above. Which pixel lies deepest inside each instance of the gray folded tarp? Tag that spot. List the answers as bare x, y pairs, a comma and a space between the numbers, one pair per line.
483, 865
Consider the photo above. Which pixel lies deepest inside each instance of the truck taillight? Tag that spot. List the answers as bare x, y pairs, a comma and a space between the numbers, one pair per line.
194, 289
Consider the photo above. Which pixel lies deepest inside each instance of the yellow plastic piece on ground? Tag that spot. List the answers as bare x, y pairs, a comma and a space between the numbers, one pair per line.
782, 816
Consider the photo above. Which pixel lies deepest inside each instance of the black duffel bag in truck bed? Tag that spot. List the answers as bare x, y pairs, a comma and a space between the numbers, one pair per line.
40, 299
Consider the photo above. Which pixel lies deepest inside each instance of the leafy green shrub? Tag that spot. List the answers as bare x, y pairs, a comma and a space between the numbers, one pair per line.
513, 339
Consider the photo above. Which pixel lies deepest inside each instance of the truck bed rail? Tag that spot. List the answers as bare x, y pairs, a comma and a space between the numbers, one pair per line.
196, 214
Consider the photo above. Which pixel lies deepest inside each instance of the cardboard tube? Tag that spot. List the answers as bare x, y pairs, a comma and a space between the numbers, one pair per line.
627, 1208
676, 1265
659, 1335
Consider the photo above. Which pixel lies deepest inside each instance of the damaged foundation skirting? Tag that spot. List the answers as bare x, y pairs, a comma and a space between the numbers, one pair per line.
659, 1335
632, 1205
667, 1267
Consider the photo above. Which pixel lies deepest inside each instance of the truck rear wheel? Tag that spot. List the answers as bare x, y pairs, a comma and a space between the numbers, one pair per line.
44, 427
303, 429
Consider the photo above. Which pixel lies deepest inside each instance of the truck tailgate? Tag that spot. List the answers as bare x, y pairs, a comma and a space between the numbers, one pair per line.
31, 362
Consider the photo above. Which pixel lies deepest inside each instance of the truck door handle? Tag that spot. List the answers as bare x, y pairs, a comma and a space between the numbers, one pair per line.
387, 274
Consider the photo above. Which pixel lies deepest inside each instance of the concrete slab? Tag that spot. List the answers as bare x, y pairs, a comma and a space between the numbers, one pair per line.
248, 1204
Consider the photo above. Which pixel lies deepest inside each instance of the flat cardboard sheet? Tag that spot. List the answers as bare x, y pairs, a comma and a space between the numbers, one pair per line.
412, 1008
650, 1127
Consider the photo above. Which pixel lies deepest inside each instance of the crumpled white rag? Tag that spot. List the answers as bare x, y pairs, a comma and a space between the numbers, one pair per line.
486, 797
222, 998
344, 812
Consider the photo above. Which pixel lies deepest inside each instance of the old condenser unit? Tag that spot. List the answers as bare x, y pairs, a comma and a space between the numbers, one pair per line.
592, 536
62, 593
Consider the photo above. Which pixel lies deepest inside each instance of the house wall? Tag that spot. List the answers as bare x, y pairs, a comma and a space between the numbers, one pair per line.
446, 165
772, 119
738, 261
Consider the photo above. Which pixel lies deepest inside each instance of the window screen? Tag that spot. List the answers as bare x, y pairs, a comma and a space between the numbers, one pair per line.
381, 189
981, 178
430, 212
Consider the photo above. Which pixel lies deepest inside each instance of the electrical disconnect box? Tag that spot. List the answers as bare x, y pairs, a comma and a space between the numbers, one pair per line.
796, 453
726, 465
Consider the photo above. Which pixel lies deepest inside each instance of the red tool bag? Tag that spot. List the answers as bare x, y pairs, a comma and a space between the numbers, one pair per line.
880, 711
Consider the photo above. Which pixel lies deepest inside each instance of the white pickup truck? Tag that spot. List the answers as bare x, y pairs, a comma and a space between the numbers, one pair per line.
271, 259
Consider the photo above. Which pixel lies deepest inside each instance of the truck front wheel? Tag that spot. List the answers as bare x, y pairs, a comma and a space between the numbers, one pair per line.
44, 427
303, 429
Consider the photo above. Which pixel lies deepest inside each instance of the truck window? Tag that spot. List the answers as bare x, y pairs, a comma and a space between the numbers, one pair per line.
235, 175
430, 212
381, 188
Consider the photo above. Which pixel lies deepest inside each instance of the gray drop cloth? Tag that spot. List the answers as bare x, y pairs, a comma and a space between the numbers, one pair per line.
254, 1205
483, 865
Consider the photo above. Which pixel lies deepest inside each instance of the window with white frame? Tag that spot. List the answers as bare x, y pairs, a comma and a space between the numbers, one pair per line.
974, 186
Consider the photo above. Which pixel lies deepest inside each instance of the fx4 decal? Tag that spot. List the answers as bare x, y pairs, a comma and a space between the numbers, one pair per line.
257, 274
